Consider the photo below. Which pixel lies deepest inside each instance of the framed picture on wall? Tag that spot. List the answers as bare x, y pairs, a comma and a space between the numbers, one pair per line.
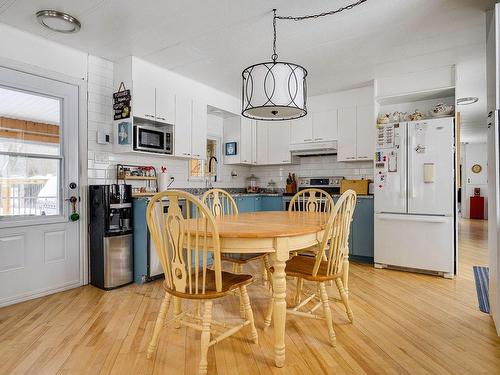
125, 133
231, 148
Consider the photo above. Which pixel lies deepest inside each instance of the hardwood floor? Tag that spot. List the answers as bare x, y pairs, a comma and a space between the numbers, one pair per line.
404, 323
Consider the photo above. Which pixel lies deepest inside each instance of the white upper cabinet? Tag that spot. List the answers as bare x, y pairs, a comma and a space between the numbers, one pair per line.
262, 143
182, 128
165, 106
301, 130
273, 142
346, 150
278, 133
199, 130
325, 126
365, 132
356, 133
143, 101
254, 142
246, 140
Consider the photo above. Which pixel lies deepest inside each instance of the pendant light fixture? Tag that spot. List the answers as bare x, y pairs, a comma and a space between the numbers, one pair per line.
276, 90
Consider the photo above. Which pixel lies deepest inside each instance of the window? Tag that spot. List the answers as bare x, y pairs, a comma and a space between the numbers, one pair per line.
198, 169
30, 154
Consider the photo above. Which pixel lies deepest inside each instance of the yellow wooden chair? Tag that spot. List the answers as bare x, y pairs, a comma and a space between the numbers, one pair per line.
220, 203
334, 245
309, 200
183, 245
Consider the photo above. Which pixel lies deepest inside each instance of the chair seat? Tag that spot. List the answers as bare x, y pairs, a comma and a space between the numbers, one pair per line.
302, 267
241, 258
230, 281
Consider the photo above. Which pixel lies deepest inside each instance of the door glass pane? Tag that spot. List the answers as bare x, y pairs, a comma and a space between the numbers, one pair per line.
30, 185
29, 123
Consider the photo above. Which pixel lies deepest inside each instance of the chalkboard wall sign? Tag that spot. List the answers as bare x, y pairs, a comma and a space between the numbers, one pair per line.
121, 103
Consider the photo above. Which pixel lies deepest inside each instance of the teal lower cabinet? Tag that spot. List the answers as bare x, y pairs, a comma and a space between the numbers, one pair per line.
272, 203
245, 204
361, 239
257, 203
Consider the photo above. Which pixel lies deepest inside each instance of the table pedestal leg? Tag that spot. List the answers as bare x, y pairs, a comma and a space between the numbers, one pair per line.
279, 293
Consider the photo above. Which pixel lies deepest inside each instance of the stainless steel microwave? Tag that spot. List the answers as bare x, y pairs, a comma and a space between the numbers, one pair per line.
148, 138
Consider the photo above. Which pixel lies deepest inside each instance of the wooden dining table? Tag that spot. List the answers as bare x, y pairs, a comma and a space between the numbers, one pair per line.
279, 234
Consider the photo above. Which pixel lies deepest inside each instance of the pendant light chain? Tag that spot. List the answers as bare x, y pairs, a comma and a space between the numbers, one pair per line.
302, 18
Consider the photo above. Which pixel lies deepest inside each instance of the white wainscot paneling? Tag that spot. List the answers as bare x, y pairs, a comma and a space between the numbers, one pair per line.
54, 246
12, 253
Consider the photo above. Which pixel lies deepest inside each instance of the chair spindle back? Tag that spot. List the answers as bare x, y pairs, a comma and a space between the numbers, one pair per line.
311, 200
220, 202
335, 242
184, 233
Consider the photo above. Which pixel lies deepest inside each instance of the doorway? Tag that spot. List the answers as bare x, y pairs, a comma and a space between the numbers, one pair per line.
39, 174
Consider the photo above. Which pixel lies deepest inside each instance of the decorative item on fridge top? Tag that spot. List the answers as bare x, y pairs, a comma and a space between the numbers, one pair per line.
399, 116
442, 110
384, 118
252, 184
416, 116
143, 178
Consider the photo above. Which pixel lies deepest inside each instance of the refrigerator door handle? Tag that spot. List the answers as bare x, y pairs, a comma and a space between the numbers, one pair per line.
411, 177
426, 219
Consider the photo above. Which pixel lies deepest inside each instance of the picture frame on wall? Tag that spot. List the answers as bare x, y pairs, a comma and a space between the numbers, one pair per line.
125, 133
231, 148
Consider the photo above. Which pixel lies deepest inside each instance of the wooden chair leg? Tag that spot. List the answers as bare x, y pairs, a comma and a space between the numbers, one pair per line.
177, 311
235, 268
345, 275
345, 299
269, 314
205, 338
268, 270
263, 271
298, 292
245, 300
328, 314
153, 344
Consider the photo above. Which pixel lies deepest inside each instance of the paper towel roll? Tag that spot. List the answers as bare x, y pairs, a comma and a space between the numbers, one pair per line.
163, 180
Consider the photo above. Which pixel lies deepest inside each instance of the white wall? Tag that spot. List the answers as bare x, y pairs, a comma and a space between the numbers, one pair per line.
474, 153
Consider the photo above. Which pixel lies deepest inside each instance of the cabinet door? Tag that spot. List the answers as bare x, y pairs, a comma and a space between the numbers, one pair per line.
246, 141
302, 130
143, 101
165, 106
182, 128
272, 203
245, 204
346, 134
257, 204
199, 131
254, 142
262, 143
365, 132
325, 126
363, 228
278, 133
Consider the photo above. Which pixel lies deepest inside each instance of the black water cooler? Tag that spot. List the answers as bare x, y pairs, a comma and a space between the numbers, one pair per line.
111, 236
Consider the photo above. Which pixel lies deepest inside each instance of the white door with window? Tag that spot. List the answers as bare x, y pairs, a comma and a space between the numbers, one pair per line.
39, 170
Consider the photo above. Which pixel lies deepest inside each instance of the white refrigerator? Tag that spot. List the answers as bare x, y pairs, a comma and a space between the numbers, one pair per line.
415, 196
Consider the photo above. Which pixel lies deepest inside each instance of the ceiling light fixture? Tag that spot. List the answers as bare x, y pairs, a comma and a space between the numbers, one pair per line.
277, 90
58, 21
467, 101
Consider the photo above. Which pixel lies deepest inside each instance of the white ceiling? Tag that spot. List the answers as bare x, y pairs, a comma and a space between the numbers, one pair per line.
213, 40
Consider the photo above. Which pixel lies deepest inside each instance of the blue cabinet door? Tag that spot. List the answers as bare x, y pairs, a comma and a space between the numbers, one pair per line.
272, 203
362, 229
245, 204
257, 204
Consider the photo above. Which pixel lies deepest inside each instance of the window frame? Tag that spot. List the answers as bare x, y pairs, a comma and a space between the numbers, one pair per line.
218, 140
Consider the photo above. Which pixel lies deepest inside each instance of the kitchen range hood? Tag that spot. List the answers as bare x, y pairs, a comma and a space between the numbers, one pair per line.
313, 149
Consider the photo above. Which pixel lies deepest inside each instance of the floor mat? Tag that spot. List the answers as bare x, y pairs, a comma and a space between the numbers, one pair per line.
481, 276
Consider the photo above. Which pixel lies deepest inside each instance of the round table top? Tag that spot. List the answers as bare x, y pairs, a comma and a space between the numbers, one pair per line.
267, 224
